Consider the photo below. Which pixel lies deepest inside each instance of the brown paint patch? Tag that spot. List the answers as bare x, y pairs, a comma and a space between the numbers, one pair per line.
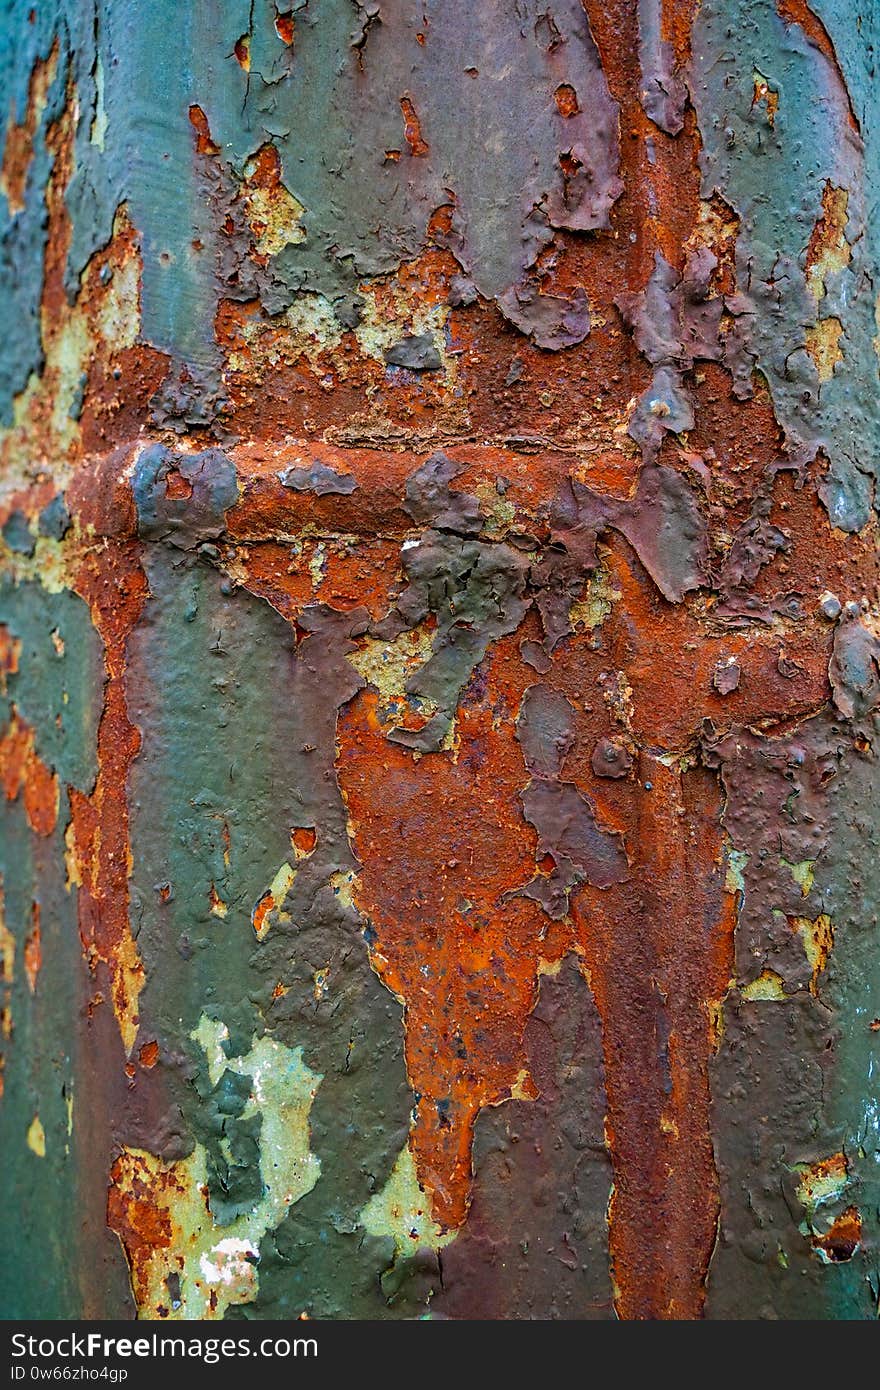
659, 950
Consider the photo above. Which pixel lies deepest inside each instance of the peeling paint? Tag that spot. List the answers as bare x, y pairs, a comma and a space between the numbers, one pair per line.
439, 660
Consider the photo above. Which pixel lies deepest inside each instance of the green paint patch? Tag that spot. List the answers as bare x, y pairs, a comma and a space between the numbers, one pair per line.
195, 1267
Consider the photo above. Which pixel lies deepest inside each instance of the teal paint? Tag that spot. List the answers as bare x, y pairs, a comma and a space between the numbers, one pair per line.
40, 1216
773, 176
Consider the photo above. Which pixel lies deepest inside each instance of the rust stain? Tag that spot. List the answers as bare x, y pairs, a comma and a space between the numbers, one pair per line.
199, 123
242, 50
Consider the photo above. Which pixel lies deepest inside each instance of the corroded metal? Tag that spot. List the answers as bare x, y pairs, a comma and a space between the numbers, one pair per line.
439, 659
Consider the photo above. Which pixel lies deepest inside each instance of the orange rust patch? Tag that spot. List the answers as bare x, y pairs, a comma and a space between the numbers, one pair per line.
148, 1054
566, 100
412, 130
242, 50
115, 588
199, 122
23, 770
303, 839
177, 486
463, 959
18, 150
33, 949
843, 1237
137, 1213
10, 651
285, 27
260, 915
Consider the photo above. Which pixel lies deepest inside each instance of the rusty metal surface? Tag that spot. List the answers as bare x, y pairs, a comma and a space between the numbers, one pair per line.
439, 660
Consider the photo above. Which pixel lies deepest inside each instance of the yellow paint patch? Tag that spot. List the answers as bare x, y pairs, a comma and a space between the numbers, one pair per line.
104, 320
343, 885
268, 908
768, 986
524, 1087
765, 95
823, 345
272, 211
734, 880
388, 665
802, 873
7, 944
36, 1137
818, 938
129, 979
402, 1210
591, 611
822, 1182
